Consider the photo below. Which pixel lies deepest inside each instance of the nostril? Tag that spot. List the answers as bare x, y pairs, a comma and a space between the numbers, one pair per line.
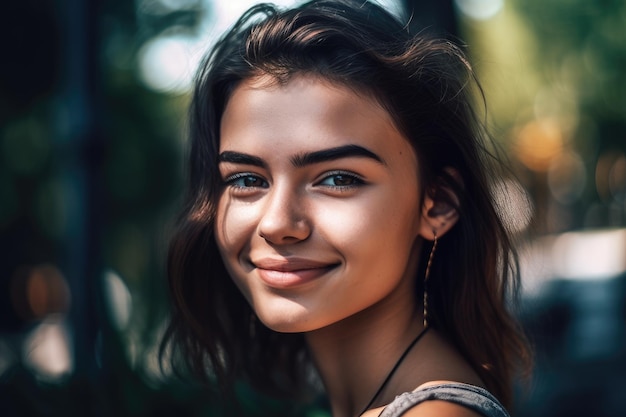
283, 227
287, 231
283, 220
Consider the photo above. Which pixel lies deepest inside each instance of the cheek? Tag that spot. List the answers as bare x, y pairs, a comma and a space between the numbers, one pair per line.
371, 222
231, 232
233, 224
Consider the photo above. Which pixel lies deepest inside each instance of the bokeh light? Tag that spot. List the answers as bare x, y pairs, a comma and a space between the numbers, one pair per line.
590, 254
47, 350
166, 64
538, 142
480, 9
39, 291
118, 299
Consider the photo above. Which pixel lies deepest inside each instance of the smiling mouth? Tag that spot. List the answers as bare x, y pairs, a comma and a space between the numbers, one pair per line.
282, 274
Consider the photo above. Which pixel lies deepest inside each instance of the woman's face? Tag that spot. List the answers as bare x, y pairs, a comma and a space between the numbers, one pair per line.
320, 211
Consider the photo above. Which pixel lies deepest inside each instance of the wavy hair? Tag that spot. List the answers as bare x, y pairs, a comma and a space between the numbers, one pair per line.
426, 86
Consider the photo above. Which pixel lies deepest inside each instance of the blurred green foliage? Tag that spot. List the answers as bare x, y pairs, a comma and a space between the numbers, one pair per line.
562, 65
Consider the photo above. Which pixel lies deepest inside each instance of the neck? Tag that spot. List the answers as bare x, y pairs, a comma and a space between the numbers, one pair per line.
355, 355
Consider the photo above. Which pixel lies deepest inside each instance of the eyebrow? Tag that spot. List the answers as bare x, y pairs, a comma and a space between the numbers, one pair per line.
331, 154
324, 155
241, 158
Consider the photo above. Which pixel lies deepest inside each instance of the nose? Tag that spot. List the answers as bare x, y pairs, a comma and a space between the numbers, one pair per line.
284, 218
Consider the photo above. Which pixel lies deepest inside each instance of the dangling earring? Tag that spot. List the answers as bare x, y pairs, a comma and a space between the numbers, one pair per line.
426, 276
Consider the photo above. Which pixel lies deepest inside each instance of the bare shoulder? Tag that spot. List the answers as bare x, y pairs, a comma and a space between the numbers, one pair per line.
437, 408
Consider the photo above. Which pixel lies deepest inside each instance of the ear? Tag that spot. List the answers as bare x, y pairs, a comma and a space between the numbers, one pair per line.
440, 210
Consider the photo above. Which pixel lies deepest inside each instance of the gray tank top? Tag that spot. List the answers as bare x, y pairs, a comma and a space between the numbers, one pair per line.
470, 396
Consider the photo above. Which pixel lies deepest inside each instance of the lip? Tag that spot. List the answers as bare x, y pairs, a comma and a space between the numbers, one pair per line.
290, 272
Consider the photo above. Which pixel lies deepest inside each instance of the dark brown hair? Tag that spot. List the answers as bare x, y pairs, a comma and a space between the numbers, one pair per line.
425, 85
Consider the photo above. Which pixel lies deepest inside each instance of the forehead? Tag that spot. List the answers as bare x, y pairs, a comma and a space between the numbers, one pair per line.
319, 89
303, 106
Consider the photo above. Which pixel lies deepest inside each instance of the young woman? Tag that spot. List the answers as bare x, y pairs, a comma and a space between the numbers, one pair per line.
340, 218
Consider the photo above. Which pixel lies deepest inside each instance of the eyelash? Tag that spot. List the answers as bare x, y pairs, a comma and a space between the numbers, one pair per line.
357, 181
232, 180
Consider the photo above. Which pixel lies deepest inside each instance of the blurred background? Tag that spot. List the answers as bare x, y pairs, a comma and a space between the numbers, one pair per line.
92, 120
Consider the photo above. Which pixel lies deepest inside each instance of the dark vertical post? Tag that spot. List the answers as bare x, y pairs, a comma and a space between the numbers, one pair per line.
80, 149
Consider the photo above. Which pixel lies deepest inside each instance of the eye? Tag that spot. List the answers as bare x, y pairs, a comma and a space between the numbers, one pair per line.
246, 180
341, 180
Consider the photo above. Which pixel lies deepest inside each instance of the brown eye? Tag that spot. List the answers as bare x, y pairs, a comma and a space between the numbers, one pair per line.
341, 179
247, 181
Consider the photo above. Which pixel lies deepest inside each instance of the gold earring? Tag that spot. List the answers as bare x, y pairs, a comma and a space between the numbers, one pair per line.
427, 275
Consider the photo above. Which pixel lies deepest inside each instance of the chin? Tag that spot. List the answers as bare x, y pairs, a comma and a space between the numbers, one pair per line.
285, 328
283, 320
285, 324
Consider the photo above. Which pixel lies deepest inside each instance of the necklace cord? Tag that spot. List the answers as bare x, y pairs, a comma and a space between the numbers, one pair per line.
394, 369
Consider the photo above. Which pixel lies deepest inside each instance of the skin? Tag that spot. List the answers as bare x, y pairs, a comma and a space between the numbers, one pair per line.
319, 224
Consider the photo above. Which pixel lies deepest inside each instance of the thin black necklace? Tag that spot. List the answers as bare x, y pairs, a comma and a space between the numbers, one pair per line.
394, 369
